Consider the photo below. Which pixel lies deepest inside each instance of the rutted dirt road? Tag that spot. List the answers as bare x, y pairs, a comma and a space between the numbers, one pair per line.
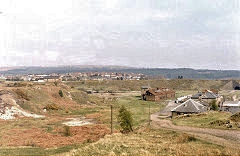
230, 138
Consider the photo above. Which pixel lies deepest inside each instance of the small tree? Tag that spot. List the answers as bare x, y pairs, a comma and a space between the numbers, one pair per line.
125, 120
55, 83
213, 105
60, 92
67, 131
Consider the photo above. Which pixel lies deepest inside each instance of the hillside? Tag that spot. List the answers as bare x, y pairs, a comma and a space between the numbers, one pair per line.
77, 122
164, 72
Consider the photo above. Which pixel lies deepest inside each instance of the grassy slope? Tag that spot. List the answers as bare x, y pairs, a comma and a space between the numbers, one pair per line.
129, 85
155, 142
212, 119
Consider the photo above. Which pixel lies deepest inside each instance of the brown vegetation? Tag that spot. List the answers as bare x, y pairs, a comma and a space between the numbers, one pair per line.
39, 138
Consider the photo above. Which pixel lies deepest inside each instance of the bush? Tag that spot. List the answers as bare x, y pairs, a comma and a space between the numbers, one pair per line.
22, 94
235, 117
51, 107
213, 105
186, 138
125, 120
55, 83
67, 131
60, 92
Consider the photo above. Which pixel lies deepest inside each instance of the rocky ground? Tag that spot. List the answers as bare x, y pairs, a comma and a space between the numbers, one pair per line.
9, 109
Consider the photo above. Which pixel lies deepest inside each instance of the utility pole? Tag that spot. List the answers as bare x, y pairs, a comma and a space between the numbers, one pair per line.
111, 119
149, 114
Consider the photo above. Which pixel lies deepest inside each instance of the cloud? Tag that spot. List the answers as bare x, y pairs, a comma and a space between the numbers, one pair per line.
168, 33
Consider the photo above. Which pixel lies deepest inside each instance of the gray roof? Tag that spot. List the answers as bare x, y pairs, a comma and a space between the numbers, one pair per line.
210, 95
207, 95
196, 96
190, 106
231, 104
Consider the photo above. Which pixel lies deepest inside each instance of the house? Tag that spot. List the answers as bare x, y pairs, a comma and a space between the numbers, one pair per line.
231, 106
158, 94
188, 107
207, 96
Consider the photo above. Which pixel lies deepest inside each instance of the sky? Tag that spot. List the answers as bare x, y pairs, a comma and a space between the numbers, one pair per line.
138, 33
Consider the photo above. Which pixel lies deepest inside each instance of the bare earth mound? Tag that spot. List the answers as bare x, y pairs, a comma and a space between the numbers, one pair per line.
9, 109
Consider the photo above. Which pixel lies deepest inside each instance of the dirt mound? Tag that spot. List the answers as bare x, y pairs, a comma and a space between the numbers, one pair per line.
9, 109
231, 85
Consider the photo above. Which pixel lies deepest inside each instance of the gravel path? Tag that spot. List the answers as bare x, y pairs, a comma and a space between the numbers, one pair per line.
230, 138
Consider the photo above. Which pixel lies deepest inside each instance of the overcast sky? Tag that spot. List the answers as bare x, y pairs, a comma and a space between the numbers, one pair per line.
140, 33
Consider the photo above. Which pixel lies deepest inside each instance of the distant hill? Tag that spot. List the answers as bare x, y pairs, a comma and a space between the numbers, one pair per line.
164, 72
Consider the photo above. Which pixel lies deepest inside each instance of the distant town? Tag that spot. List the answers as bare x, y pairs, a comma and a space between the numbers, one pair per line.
76, 73
78, 76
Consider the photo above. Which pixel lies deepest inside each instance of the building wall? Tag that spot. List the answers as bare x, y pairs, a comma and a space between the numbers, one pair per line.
150, 98
159, 97
174, 114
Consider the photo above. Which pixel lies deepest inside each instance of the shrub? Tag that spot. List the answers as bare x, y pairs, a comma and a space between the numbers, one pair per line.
22, 94
60, 92
55, 83
51, 107
125, 120
235, 117
186, 138
213, 105
67, 131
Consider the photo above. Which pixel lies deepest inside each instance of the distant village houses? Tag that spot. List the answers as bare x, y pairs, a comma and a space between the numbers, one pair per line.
78, 76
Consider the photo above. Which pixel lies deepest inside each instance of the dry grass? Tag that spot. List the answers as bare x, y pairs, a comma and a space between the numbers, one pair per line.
129, 85
155, 142
36, 133
212, 119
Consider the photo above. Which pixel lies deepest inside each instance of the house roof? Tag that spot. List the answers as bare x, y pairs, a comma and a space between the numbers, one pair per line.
231, 104
160, 91
190, 106
196, 96
208, 94
145, 87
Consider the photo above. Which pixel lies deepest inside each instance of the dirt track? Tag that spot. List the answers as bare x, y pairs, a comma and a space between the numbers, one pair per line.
230, 138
